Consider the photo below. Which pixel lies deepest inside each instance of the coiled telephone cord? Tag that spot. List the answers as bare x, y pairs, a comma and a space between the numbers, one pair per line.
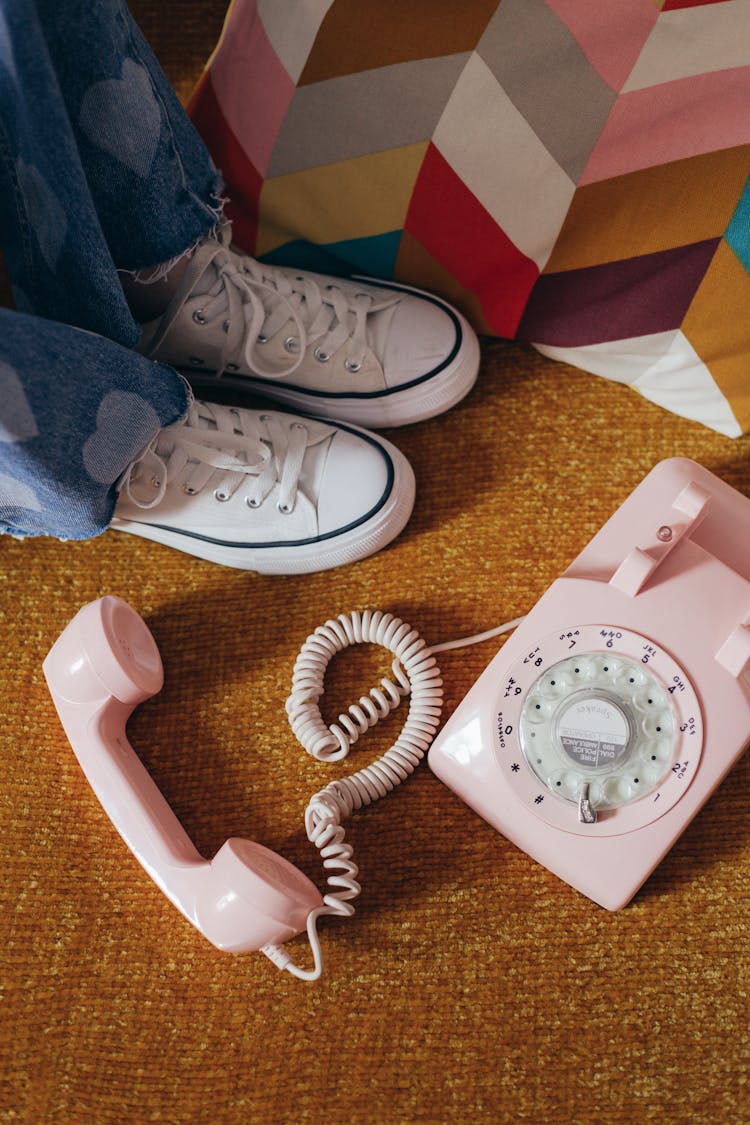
416, 674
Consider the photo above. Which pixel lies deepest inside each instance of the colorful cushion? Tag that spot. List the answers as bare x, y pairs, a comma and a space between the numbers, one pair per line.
571, 174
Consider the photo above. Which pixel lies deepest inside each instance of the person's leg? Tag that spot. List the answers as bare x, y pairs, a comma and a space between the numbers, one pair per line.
75, 411
100, 169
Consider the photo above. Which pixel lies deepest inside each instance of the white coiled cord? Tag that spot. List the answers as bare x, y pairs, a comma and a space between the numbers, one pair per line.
416, 673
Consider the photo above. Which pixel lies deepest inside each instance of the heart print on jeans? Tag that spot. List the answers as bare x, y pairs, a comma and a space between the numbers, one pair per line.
122, 117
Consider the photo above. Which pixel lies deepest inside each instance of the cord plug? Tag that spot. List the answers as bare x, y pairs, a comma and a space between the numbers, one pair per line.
282, 960
277, 954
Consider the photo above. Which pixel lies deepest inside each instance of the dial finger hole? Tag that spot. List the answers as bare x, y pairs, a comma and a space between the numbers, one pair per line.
538, 709
659, 750
648, 699
652, 774
657, 725
583, 668
606, 667
553, 686
630, 679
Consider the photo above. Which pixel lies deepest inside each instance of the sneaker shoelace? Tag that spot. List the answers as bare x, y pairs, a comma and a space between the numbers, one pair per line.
255, 302
227, 448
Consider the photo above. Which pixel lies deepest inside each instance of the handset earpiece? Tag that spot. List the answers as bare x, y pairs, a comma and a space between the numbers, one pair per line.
101, 667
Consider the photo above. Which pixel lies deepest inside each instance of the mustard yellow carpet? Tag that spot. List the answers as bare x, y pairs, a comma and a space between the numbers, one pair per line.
471, 985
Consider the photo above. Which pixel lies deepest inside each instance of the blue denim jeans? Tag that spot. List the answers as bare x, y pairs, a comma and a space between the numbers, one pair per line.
100, 171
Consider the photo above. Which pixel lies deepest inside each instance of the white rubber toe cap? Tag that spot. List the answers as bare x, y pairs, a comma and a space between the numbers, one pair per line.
357, 478
423, 336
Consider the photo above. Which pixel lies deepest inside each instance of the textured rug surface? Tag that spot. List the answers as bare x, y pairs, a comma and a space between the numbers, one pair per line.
471, 984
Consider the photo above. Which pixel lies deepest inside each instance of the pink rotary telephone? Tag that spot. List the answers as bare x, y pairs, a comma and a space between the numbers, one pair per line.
103, 665
610, 716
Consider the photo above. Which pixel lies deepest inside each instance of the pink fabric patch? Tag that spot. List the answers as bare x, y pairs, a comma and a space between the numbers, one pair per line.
660, 124
252, 86
610, 33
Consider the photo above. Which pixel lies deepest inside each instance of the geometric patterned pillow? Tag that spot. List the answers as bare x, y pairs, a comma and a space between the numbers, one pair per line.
572, 173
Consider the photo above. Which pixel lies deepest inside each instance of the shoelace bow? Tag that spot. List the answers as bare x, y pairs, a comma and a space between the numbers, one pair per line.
255, 302
245, 448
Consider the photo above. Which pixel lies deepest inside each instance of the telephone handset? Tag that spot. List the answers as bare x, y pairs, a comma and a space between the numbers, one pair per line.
103, 665
616, 708
248, 897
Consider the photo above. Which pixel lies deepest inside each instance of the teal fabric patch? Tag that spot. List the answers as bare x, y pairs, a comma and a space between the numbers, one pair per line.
738, 231
375, 256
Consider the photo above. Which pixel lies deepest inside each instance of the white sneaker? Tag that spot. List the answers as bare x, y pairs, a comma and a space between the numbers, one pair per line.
266, 491
372, 354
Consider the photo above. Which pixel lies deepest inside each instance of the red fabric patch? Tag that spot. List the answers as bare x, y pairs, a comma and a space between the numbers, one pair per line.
453, 226
242, 179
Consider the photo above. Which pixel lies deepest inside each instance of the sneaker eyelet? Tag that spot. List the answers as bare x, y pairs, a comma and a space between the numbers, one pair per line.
285, 509
264, 417
222, 497
225, 326
196, 359
353, 367
261, 339
155, 482
291, 344
189, 490
321, 356
252, 502
198, 316
233, 367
